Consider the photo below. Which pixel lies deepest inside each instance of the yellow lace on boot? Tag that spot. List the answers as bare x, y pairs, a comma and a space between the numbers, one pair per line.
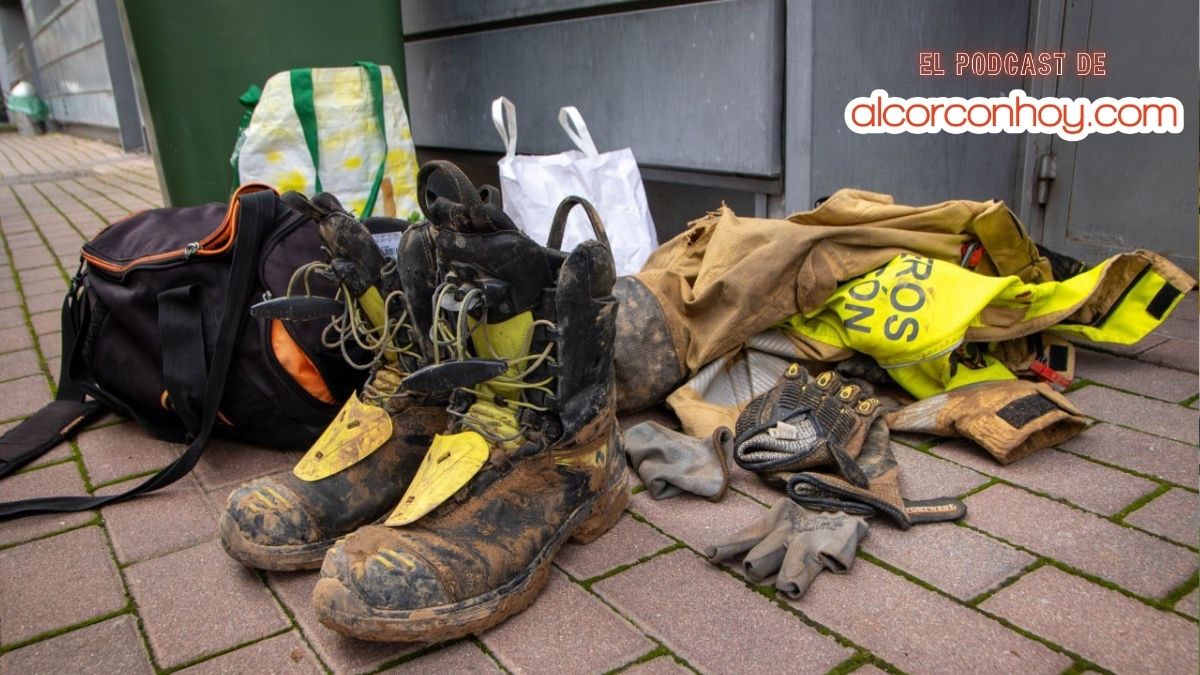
362, 425
454, 459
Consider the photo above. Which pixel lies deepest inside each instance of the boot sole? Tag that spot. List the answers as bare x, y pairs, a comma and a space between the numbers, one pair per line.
341, 610
288, 558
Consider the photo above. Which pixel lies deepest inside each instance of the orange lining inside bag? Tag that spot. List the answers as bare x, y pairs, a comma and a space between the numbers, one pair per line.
297, 364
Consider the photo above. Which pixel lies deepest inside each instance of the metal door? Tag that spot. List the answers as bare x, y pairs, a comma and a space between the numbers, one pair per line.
1116, 192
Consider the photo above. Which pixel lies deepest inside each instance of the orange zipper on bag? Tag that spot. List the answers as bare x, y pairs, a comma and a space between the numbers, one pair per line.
216, 243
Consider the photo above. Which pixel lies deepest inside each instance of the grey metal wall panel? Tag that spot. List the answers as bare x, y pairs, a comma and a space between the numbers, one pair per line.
96, 108
863, 45
1121, 191
69, 50
421, 16
121, 75
14, 37
693, 87
76, 26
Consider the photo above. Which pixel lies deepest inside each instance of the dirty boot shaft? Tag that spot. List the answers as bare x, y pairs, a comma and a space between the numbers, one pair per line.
523, 334
363, 461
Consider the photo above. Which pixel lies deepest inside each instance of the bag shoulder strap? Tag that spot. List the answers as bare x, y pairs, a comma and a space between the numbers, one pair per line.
61, 418
256, 219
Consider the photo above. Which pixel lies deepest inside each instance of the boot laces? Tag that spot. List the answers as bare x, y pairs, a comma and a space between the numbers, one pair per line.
451, 336
353, 326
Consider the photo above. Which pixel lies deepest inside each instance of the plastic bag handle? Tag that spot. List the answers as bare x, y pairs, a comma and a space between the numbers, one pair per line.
504, 116
569, 115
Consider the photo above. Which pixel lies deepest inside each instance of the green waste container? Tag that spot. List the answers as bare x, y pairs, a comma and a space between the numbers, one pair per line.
197, 58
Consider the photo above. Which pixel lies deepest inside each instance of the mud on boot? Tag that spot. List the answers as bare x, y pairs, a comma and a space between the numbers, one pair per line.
361, 464
524, 335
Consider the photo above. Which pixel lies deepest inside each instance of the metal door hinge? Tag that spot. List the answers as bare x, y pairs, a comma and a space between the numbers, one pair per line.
1047, 171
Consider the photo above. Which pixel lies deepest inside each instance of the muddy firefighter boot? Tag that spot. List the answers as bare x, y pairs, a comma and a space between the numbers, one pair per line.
361, 464
533, 458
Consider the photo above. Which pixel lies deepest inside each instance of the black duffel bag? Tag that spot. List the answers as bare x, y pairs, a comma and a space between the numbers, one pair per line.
156, 327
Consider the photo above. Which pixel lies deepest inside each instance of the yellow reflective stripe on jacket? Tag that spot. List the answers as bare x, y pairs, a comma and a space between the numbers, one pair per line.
1129, 321
915, 309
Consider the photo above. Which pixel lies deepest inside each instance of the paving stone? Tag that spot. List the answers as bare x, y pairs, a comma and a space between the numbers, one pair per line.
40, 274
1058, 474
1153, 455
15, 337
1155, 417
54, 366
111, 646
19, 364
1175, 515
52, 285
625, 543
868, 670
123, 450
923, 476
32, 259
1138, 377
224, 604
56, 582
558, 634
1181, 354
1151, 340
46, 323
918, 630
24, 240
23, 397
461, 657
340, 653
1101, 625
175, 517
1139, 562
749, 484
955, 559
51, 344
1190, 604
11, 316
281, 654
10, 299
1182, 322
694, 520
61, 479
663, 665
713, 621
16, 225
227, 463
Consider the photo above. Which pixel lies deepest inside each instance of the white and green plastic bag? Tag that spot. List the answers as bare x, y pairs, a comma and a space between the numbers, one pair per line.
337, 130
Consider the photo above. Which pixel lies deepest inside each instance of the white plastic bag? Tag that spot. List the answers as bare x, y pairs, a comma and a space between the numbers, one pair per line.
533, 185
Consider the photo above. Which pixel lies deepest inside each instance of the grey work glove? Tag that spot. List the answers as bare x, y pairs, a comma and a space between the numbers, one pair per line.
794, 543
669, 462
823, 440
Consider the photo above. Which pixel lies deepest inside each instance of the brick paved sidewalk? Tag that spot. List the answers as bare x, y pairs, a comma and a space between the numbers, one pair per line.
1078, 558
